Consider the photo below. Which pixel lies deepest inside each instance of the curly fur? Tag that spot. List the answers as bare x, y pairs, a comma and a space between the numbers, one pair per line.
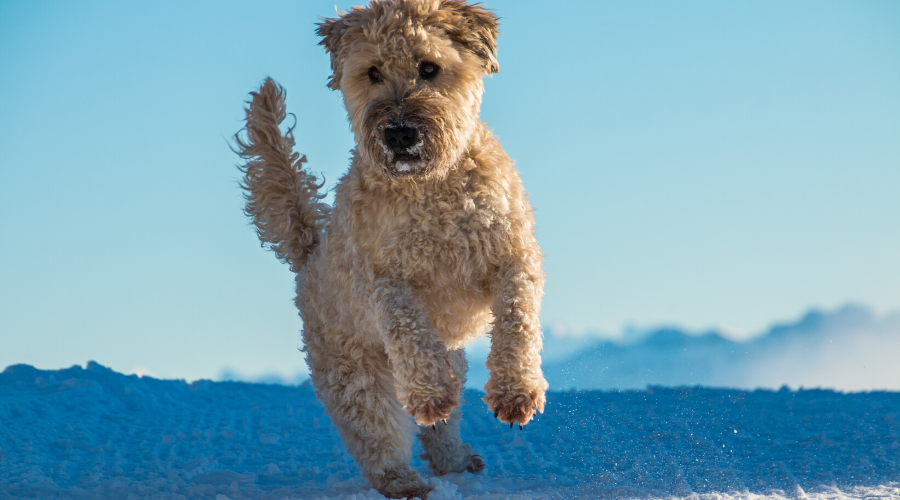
407, 267
282, 198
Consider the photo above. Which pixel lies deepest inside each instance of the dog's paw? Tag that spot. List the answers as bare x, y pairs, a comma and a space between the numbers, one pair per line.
401, 483
429, 409
475, 463
447, 459
469, 463
514, 405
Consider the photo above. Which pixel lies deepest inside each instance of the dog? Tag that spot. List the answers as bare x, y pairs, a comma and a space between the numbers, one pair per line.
428, 244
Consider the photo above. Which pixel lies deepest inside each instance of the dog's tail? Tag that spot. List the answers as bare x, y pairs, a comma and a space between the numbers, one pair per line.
282, 199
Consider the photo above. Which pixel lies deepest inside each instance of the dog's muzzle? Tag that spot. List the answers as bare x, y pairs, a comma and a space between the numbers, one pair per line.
405, 143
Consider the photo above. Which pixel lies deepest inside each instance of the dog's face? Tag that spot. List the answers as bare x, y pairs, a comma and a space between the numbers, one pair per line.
410, 72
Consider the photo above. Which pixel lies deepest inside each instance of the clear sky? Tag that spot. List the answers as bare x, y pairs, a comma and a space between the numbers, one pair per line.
702, 164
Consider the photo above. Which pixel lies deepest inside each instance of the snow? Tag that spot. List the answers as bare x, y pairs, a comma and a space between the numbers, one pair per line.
92, 433
415, 148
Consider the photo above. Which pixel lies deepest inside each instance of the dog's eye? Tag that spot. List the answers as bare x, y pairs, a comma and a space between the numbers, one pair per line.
374, 75
428, 70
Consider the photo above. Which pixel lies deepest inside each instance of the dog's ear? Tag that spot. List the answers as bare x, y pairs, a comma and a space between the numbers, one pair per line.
332, 31
476, 28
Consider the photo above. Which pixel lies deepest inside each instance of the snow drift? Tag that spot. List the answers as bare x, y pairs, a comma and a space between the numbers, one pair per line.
96, 434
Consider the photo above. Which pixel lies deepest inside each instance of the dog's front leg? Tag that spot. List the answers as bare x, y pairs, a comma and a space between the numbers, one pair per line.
422, 369
515, 389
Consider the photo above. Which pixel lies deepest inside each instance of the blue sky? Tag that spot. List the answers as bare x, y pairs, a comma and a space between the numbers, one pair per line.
703, 164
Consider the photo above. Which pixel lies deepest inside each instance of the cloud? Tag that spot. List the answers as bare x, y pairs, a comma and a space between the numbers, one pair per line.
847, 349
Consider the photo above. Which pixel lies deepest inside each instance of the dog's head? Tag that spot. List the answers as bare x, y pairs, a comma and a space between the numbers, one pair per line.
410, 72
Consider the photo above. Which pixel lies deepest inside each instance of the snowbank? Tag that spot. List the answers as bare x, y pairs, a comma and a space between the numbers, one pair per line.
94, 433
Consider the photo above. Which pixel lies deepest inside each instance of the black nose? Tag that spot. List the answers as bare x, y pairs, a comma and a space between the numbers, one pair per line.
400, 138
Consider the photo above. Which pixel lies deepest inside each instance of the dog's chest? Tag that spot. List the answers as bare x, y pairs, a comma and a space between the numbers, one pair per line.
449, 239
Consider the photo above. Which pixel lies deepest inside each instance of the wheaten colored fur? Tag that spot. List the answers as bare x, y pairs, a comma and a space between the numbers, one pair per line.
411, 263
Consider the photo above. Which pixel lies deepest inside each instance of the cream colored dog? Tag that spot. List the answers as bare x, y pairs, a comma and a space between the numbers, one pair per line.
429, 243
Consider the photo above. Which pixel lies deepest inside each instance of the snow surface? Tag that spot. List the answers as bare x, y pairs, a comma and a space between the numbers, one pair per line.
94, 433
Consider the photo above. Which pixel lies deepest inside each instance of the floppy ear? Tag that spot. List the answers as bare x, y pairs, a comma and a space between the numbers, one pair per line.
476, 28
332, 32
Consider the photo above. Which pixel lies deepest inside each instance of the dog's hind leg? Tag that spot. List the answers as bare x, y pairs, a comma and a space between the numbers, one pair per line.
355, 385
444, 448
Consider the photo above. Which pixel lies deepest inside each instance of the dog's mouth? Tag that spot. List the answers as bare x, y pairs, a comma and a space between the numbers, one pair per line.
408, 164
